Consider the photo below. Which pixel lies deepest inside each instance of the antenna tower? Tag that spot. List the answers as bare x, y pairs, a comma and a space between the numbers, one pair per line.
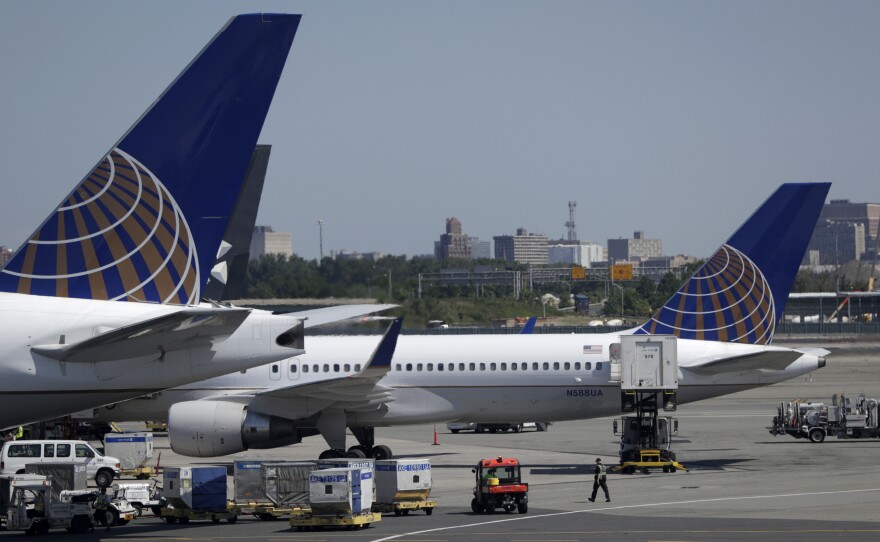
572, 234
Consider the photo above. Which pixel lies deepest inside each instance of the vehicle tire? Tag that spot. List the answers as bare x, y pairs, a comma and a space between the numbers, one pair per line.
492, 429
455, 431
429, 511
381, 452
156, 510
517, 428
233, 519
361, 448
476, 507
31, 531
355, 453
817, 435
184, 520
138, 510
215, 519
480, 428
540, 426
42, 528
170, 520
143, 476
104, 478
522, 507
490, 508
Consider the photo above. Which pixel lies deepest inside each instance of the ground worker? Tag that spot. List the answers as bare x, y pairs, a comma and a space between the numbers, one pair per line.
102, 509
490, 474
599, 480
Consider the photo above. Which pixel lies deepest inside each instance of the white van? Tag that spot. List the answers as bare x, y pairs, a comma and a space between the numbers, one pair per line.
18, 453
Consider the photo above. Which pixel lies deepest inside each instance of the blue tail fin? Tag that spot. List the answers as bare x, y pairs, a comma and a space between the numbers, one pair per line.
740, 293
529, 326
145, 224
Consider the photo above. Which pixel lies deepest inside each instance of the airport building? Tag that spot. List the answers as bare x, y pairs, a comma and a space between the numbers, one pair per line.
843, 211
639, 248
524, 247
453, 244
268, 241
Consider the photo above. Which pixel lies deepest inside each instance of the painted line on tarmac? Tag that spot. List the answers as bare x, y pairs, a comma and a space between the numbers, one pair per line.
626, 507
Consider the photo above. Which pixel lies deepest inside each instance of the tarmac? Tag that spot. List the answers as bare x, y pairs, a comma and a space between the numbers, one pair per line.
743, 484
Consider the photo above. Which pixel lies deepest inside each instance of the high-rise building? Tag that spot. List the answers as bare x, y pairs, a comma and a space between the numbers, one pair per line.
636, 249
480, 250
524, 247
836, 242
5, 255
268, 241
453, 244
583, 253
866, 214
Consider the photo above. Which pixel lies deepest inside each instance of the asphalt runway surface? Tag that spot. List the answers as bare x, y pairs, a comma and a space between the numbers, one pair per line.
743, 484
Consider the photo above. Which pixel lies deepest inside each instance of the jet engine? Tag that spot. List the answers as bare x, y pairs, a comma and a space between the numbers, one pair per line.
213, 428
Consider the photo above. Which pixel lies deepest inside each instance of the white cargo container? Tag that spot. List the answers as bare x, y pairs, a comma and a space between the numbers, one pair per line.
648, 362
367, 468
134, 450
402, 480
334, 492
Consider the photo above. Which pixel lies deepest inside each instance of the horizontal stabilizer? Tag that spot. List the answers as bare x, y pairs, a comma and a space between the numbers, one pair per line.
183, 329
774, 360
331, 315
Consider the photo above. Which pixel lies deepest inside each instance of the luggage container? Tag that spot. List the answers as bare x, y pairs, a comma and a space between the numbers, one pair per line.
64, 476
337, 492
134, 450
286, 486
367, 468
247, 481
197, 488
403, 485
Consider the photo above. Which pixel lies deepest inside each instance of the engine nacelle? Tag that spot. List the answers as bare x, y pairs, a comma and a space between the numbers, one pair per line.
214, 428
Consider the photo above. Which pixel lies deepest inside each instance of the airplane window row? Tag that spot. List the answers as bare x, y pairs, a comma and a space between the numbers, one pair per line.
315, 368
522, 366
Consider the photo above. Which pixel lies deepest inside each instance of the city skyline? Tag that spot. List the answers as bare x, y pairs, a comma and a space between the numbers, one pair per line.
677, 119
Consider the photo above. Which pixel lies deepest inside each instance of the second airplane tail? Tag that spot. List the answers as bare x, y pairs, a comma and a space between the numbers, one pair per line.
146, 223
739, 294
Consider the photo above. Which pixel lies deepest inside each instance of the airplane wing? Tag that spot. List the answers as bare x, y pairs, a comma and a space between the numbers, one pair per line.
775, 360
360, 390
329, 315
182, 329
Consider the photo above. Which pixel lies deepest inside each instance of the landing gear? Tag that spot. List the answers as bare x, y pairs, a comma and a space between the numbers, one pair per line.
366, 447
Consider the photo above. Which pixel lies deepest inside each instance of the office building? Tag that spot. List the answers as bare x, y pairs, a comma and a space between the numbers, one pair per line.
268, 241
836, 242
638, 248
453, 244
583, 253
480, 250
5, 255
524, 247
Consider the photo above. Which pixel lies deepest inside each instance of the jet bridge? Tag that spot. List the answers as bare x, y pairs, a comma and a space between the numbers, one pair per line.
646, 366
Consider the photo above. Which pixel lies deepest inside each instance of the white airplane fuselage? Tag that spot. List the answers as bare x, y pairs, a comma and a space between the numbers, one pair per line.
489, 378
34, 387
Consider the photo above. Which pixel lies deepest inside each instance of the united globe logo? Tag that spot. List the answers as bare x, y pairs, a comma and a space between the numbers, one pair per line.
120, 235
727, 300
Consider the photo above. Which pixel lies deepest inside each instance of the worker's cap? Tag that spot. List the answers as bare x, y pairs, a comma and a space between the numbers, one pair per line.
598, 460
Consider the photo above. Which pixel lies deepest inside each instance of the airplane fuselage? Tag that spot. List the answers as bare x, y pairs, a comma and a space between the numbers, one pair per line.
34, 387
490, 378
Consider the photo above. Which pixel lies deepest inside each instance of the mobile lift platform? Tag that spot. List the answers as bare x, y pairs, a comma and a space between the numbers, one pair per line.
647, 368
310, 522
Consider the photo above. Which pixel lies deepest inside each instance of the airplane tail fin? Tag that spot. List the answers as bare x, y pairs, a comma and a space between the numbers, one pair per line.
146, 223
739, 294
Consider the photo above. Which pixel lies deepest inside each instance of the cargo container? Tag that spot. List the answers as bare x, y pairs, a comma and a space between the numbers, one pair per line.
134, 450
64, 476
336, 492
197, 488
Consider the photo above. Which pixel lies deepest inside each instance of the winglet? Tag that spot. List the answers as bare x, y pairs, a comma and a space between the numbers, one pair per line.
146, 222
381, 357
529, 327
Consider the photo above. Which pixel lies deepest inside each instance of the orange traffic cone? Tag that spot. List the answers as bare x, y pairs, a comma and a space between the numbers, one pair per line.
436, 438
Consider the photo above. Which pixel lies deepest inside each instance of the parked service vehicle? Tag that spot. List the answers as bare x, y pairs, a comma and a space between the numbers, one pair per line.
499, 485
480, 427
16, 454
843, 418
121, 510
35, 510
141, 495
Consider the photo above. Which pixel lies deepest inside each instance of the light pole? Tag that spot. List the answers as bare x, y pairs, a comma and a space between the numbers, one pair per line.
621, 297
320, 241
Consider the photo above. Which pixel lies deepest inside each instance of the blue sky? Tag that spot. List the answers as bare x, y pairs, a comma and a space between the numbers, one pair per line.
677, 118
